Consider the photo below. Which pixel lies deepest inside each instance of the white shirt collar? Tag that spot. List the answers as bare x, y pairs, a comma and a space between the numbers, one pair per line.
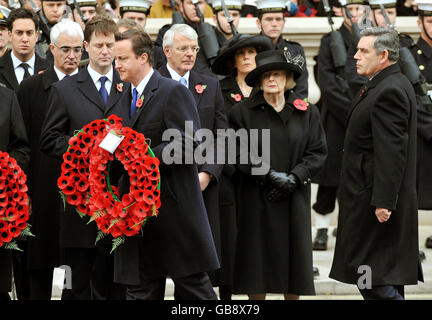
141, 86
16, 62
61, 75
175, 76
96, 75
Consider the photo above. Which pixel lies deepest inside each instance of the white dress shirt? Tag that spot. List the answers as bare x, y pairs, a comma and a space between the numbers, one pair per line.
19, 71
96, 78
175, 76
61, 75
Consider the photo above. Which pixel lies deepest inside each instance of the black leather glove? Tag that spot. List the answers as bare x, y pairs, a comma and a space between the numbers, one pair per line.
275, 195
285, 182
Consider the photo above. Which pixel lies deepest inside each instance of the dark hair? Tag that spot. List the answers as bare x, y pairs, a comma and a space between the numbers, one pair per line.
141, 42
22, 13
102, 23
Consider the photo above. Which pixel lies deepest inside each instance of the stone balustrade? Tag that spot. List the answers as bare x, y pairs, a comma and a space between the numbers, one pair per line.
306, 31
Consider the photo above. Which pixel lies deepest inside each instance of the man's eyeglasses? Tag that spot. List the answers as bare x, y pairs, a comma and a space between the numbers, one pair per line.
184, 49
66, 50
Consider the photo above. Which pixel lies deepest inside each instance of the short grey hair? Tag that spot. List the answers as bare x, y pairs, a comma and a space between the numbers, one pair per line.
180, 29
386, 39
69, 27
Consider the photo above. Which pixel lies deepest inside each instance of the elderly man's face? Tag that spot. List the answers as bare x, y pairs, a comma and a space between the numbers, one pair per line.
182, 55
67, 53
368, 61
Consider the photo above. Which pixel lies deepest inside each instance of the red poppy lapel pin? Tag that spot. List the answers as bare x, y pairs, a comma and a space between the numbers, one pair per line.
300, 104
120, 87
140, 101
200, 88
237, 97
41, 71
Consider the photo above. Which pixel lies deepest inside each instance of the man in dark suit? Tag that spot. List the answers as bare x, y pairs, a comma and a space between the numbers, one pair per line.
377, 235
21, 62
13, 140
15, 65
74, 102
43, 249
191, 18
180, 45
178, 242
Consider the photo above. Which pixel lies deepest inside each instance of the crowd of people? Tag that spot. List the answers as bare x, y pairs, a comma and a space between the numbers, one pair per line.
227, 224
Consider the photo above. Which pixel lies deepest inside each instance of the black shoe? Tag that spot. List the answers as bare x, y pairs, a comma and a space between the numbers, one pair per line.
428, 243
315, 272
320, 242
334, 233
422, 256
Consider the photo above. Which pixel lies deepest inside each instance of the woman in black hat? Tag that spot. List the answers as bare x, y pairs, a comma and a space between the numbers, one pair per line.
235, 60
274, 242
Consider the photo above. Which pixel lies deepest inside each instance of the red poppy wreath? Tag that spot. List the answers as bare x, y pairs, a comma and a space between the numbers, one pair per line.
85, 180
14, 209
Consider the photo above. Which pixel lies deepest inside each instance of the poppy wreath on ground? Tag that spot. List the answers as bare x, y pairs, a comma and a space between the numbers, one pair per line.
85, 180
14, 209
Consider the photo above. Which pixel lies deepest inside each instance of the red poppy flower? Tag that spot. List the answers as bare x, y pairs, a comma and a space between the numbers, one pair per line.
237, 97
5, 236
139, 103
199, 89
119, 87
300, 104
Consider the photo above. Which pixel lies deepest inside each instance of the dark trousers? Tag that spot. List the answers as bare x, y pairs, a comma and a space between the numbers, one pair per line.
388, 292
326, 200
193, 287
92, 275
20, 271
41, 283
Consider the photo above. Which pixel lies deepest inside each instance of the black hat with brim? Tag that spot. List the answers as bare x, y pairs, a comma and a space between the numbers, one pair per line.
259, 42
275, 60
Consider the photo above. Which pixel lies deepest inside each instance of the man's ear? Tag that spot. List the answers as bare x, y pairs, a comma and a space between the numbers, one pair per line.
51, 46
383, 56
166, 50
86, 45
258, 23
144, 58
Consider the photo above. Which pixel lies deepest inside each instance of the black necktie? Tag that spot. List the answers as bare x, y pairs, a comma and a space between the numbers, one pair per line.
25, 66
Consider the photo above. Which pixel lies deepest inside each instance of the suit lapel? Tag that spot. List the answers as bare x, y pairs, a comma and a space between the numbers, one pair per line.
114, 93
40, 64
88, 88
9, 72
195, 79
149, 89
48, 78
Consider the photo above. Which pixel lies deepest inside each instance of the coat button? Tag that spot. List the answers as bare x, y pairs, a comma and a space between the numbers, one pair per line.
419, 51
421, 67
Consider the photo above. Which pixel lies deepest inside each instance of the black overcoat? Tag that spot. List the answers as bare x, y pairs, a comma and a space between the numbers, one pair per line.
274, 242
422, 53
43, 249
212, 116
73, 103
13, 140
7, 73
379, 170
335, 107
227, 193
178, 242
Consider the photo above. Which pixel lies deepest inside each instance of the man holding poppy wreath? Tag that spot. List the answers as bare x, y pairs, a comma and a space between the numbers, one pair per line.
177, 243
13, 140
74, 102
